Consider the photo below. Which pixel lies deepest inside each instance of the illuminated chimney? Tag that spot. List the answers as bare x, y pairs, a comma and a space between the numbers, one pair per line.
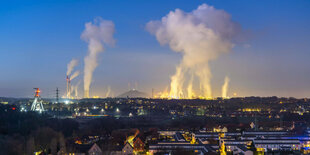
68, 82
69, 92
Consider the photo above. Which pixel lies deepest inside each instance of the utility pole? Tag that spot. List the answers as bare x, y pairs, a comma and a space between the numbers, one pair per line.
57, 95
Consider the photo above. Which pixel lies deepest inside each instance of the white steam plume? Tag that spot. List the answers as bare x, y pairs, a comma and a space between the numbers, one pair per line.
71, 66
95, 34
74, 75
72, 89
108, 92
225, 87
200, 36
76, 88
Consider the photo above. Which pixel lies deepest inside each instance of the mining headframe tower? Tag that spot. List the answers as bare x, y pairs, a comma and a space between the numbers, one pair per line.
37, 102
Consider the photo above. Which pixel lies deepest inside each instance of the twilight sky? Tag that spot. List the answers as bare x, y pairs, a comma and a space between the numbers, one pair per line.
39, 38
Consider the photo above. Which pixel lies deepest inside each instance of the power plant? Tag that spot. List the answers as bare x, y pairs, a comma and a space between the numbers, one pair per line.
211, 33
69, 77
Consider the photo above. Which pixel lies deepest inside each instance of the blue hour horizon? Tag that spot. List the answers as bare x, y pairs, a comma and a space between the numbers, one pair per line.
39, 39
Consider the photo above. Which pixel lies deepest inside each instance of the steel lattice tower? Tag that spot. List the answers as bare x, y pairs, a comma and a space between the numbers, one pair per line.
37, 102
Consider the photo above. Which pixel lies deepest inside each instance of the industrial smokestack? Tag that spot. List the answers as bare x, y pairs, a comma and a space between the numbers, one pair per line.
70, 68
200, 36
95, 34
67, 92
225, 87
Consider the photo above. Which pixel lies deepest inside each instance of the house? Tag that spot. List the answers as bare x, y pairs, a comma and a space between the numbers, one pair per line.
199, 149
277, 144
179, 137
241, 149
127, 149
138, 145
95, 150
85, 149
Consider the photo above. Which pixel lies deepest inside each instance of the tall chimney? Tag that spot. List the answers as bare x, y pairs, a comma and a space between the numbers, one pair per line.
67, 93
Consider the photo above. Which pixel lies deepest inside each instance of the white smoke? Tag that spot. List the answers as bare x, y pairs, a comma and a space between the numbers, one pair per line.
225, 87
200, 36
71, 66
74, 89
108, 93
74, 75
95, 34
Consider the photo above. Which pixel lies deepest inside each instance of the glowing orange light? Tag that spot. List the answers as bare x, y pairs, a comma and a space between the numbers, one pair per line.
37, 92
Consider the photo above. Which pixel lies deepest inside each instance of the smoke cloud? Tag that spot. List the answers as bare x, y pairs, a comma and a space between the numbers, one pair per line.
200, 36
225, 87
74, 75
71, 66
96, 34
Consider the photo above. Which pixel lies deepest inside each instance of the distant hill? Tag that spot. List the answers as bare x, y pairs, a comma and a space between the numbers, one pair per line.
133, 94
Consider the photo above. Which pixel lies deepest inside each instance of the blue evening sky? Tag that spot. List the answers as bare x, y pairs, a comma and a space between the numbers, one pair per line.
38, 39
